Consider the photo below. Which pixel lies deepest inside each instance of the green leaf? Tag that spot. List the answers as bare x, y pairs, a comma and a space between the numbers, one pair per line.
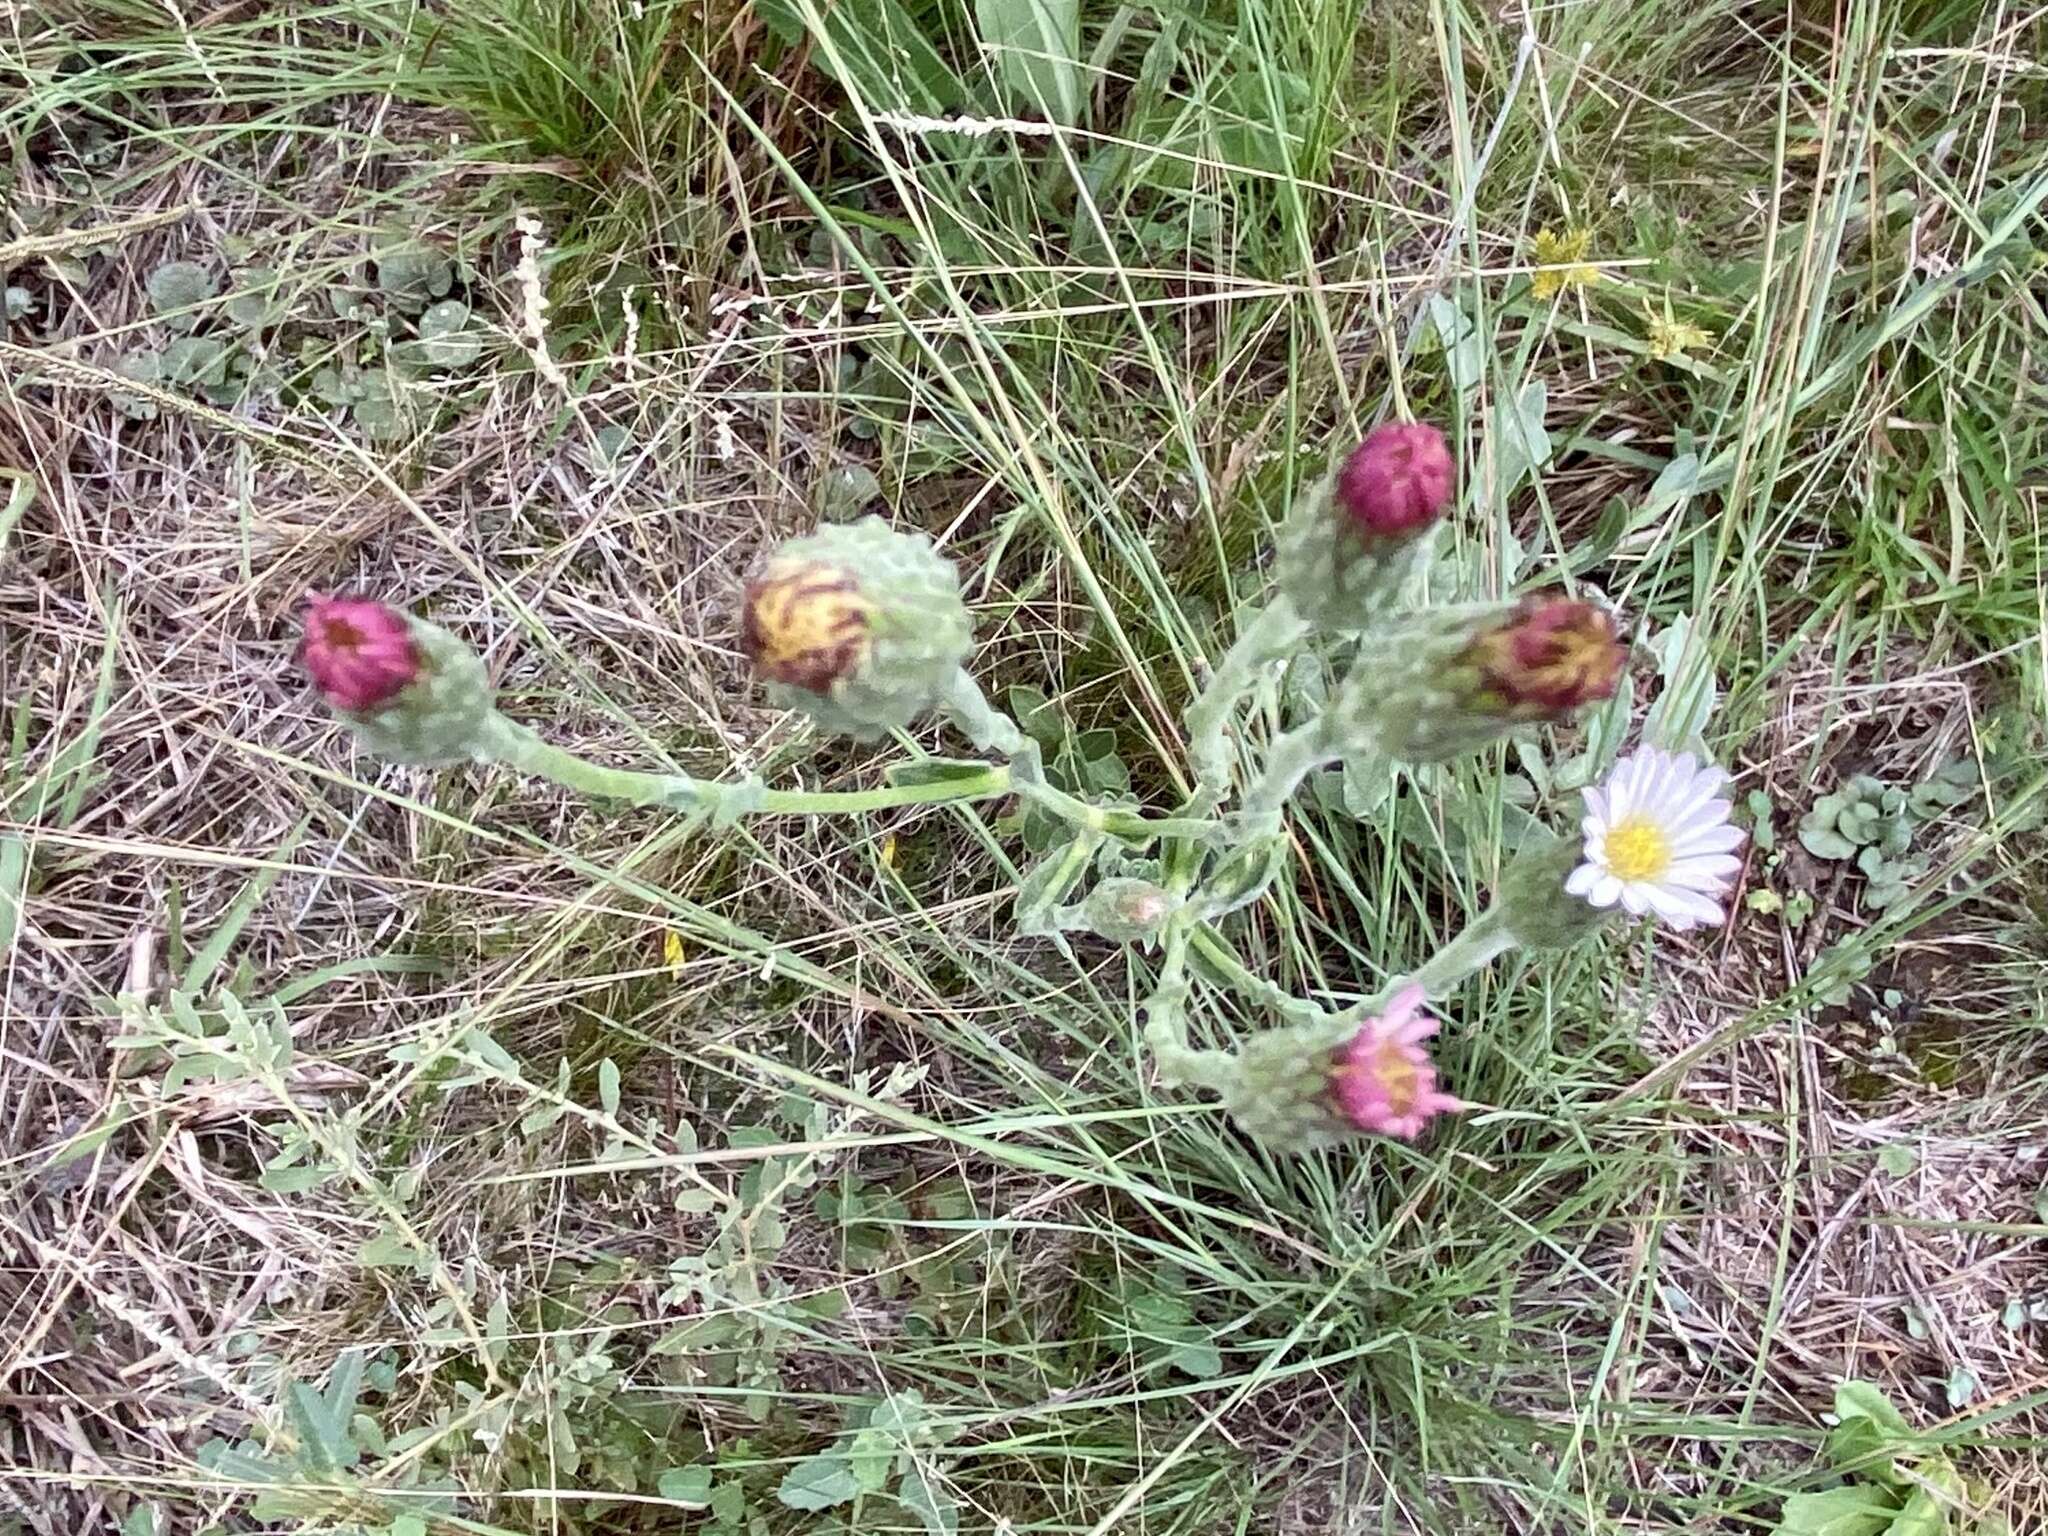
1242, 877
1197, 1355
412, 275
1859, 1510
873, 47
903, 1415
1678, 721
445, 339
1871, 1431
1861, 1400
1922, 1516
608, 1085
176, 290
1824, 842
1897, 1159
1036, 44
1525, 444
919, 1492
687, 1486
872, 1456
389, 1250
933, 770
16, 303
197, 361
255, 302
1049, 881
1367, 784
324, 1442
381, 417
729, 1503
1037, 717
819, 1482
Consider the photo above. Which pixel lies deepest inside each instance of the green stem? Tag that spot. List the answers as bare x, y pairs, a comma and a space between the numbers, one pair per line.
1166, 1025
519, 747
981, 722
1485, 939
1271, 636
1126, 825
1290, 759
1222, 959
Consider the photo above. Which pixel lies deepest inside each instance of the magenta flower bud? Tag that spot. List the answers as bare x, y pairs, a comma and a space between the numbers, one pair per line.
1382, 1080
1397, 482
360, 654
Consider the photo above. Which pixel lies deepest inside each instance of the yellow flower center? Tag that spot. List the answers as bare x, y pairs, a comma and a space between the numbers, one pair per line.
1637, 849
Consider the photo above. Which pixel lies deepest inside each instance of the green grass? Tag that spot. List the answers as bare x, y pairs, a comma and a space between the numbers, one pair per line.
1098, 366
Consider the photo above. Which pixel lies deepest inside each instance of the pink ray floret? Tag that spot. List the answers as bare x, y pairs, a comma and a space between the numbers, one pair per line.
1383, 1081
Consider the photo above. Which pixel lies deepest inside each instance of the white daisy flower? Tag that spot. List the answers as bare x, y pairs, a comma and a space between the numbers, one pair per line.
1658, 840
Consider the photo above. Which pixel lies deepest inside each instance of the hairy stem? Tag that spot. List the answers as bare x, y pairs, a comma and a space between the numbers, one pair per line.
519, 747
1270, 636
1483, 940
1290, 759
1221, 958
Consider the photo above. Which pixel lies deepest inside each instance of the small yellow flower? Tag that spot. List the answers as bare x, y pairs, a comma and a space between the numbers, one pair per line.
1671, 338
889, 851
672, 952
1563, 256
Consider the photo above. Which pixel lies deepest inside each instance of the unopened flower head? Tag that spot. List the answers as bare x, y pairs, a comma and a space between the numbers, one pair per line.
359, 653
1355, 539
1397, 482
1382, 1079
806, 624
1657, 840
858, 625
1552, 655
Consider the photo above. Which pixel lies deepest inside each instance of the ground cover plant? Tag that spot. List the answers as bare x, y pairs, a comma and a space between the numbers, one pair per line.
846, 962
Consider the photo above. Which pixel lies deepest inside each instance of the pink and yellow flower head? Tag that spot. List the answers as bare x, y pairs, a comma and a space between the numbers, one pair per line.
1382, 1079
1552, 656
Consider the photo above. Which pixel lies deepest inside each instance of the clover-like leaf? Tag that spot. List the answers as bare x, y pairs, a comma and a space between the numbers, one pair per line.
819, 1482
255, 301
411, 275
176, 290
197, 361
1821, 840
381, 416
445, 337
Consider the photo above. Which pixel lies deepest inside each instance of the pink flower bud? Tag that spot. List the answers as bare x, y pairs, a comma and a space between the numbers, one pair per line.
1398, 481
360, 654
1382, 1080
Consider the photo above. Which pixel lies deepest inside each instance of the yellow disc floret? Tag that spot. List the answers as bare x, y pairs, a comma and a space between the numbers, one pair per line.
1637, 849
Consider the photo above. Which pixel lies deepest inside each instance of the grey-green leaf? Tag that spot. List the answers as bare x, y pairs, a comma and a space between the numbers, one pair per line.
446, 341
1824, 842
920, 1493
412, 275
255, 302
176, 289
818, 1482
